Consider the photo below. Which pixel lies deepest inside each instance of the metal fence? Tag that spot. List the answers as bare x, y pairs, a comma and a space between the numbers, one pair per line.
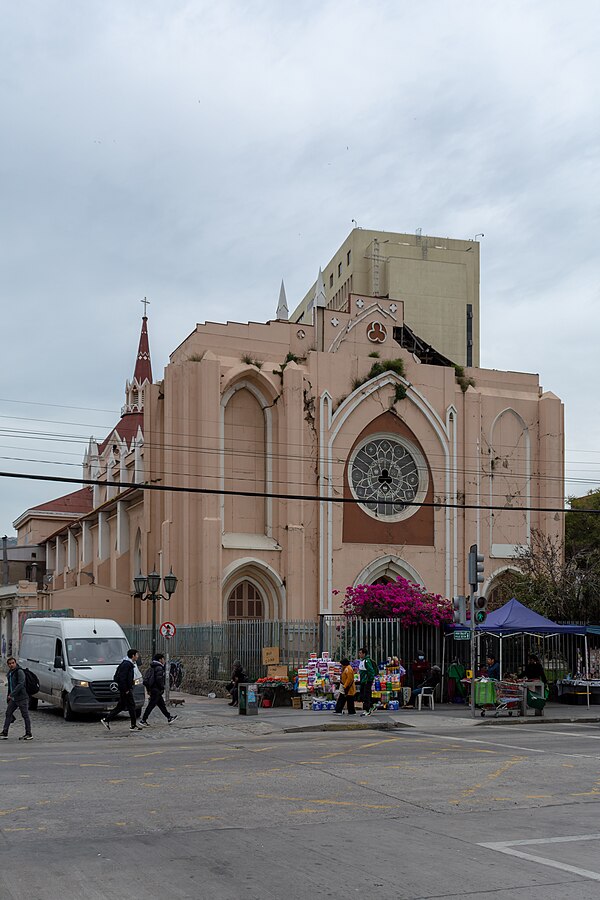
218, 644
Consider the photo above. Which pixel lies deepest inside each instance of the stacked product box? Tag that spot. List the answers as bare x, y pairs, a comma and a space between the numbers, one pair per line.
318, 679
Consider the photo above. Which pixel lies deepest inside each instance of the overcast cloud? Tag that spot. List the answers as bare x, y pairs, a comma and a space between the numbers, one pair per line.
199, 152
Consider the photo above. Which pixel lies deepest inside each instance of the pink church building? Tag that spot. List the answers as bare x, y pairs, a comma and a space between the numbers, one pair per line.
286, 460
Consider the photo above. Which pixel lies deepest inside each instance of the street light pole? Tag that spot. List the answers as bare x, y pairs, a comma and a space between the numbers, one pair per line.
152, 583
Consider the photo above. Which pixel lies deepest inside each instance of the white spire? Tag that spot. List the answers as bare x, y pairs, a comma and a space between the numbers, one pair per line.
320, 299
282, 307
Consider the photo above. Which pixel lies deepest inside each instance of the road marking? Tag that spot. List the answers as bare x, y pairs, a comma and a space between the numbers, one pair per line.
496, 744
325, 802
7, 812
507, 847
468, 792
151, 753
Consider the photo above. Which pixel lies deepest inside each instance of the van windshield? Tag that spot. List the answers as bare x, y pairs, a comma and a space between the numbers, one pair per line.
98, 651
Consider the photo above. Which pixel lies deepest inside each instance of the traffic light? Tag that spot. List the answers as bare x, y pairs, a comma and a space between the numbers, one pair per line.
480, 604
475, 568
459, 610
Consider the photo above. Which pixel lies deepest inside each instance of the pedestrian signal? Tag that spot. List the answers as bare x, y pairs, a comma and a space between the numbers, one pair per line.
480, 604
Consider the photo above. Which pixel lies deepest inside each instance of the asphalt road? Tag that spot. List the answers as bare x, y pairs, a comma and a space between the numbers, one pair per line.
499, 812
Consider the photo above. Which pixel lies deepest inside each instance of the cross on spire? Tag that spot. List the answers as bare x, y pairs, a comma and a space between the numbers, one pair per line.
146, 303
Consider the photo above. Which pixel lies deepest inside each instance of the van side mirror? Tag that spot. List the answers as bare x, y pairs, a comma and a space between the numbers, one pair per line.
59, 662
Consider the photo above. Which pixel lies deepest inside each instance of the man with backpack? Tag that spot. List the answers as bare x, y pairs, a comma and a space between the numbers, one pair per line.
124, 677
18, 699
154, 682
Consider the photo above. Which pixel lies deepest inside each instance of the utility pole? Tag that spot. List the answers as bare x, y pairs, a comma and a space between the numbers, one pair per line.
476, 561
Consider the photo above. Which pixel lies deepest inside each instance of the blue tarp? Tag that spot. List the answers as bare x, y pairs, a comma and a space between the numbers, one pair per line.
513, 618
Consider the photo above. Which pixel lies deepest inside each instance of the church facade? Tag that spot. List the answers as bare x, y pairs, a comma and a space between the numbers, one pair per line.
276, 463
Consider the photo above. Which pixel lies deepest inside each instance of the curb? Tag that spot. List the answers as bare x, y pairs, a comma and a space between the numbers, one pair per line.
351, 726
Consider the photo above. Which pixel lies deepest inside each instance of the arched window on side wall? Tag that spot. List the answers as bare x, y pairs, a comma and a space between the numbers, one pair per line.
245, 602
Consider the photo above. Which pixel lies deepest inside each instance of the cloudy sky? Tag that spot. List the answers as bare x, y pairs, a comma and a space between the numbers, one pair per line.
198, 152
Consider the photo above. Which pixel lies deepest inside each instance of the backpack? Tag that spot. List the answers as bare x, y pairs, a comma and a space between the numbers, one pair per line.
120, 674
149, 678
32, 683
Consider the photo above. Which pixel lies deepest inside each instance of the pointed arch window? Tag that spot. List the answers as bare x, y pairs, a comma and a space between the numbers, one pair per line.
245, 602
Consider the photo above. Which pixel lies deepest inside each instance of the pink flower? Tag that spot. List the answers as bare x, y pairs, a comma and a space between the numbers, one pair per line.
400, 599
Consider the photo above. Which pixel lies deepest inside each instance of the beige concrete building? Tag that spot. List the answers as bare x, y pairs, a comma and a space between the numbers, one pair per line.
437, 280
275, 463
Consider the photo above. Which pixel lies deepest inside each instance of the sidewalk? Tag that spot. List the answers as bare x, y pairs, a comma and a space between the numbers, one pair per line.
199, 710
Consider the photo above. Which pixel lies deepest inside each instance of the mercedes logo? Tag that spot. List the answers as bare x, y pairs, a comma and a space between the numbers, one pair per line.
114, 687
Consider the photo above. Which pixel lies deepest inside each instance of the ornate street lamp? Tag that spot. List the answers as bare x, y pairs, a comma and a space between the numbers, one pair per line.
151, 582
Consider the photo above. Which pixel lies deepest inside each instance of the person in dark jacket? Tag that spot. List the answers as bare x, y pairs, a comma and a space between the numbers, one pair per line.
238, 676
420, 669
155, 685
124, 677
533, 671
493, 667
432, 680
17, 699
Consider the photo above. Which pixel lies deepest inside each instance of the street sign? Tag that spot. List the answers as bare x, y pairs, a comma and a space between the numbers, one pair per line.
463, 635
167, 630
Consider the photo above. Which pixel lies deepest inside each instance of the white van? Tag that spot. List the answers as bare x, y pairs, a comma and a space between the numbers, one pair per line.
75, 661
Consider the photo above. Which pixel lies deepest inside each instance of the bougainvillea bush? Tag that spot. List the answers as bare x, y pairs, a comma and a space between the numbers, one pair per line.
400, 599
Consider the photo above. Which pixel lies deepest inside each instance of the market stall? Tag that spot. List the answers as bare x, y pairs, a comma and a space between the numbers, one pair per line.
514, 619
318, 683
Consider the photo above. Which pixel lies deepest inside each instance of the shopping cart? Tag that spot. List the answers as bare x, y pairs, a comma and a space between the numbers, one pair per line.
499, 696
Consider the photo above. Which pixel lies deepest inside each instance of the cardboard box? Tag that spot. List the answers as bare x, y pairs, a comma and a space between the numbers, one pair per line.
270, 656
277, 671
296, 702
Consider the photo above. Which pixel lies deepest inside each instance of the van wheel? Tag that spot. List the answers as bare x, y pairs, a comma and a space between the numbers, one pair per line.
33, 703
68, 715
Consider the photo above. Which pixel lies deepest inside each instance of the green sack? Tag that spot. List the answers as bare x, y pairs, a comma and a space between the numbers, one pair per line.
535, 701
485, 693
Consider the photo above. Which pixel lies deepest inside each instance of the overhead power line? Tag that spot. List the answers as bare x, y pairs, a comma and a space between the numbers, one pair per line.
315, 498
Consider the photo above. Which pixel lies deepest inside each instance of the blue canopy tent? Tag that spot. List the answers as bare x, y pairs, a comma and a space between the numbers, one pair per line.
515, 618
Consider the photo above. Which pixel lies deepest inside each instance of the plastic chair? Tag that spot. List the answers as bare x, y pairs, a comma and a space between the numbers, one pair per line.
426, 694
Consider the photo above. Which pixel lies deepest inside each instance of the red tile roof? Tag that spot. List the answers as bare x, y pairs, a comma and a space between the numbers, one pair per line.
77, 503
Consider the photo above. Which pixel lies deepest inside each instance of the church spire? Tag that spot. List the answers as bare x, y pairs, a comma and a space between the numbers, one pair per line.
143, 366
282, 307
142, 374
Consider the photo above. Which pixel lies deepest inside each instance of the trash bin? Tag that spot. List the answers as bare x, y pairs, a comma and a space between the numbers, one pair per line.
247, 700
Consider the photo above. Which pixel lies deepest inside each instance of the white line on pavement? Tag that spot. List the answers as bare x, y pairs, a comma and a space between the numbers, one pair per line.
507, 847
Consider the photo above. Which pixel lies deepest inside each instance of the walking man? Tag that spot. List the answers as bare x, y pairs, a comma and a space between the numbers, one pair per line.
124, 676
367, 671
154, 681
18, 699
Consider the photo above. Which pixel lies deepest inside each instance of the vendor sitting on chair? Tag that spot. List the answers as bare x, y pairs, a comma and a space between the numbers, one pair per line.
432, 680
493, 667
